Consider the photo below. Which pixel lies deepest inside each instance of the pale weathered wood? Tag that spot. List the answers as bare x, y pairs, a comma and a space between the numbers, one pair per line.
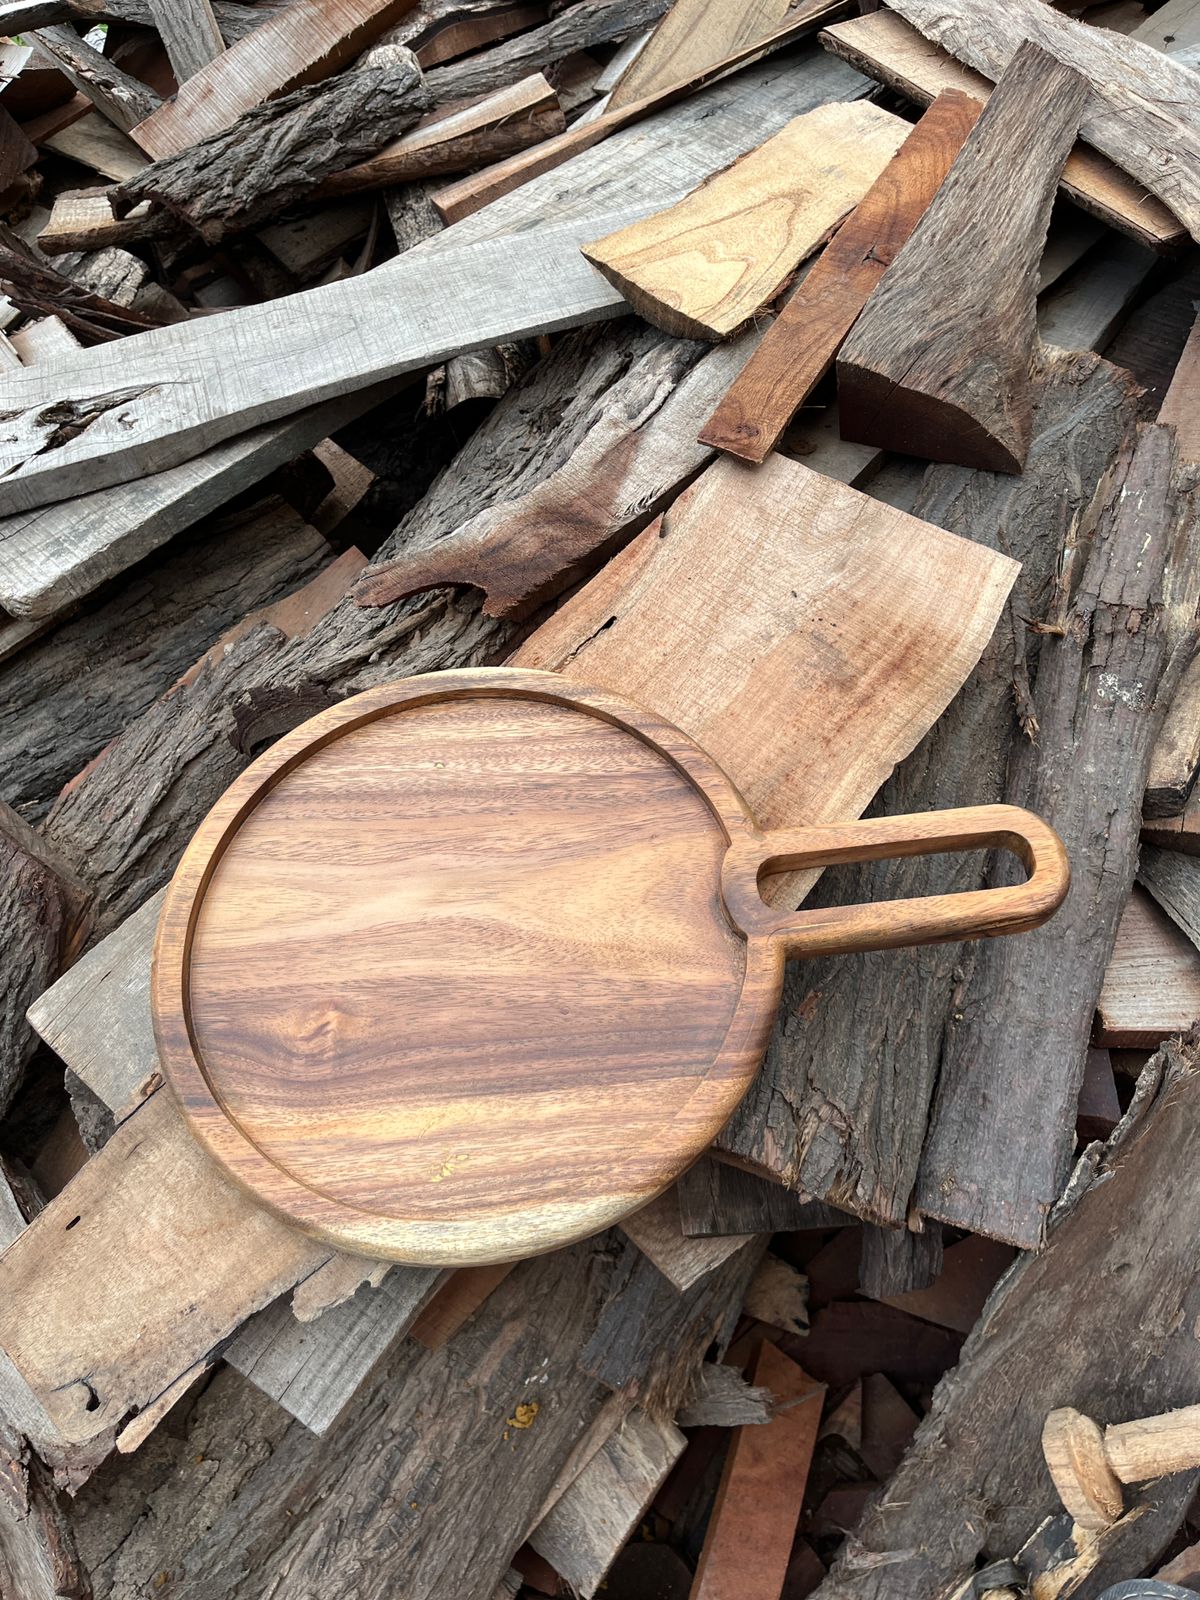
275, 154
657, 1232
639, 450
692, 37
510, 119
95, 143
300, 44
800, 346
82, 219
1152, 983
886, 47
705, 267
1141, 111
190, 34
1171, 27
346, 335
937, 365
1174, 881
123, 100
1086, 308
583, 1532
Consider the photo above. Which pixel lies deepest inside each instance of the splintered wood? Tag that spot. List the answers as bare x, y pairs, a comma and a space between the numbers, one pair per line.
706, 266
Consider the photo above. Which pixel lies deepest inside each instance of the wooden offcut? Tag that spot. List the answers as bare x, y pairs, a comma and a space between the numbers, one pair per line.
703, 268
800, 345
190, 34
1151, 985
694, 36
938, 364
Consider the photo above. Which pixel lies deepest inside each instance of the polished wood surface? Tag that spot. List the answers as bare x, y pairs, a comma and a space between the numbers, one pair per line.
475, 964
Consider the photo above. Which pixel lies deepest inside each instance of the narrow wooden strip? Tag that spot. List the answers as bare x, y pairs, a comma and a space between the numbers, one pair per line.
800, 346
1151, 985
190, 33
82, 219
1174, 881
705, 267
302, 43
657, 1232
1141, 110
456, 1300
886, 47
938, 363
694, 36
461, 199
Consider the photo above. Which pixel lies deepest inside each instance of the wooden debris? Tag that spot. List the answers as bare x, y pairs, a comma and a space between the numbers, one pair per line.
1099, 1109
94, 142
956, 1297
849, 1339
911, 376
716, 1198
1140, 111
1151, 986
440, 30
1174, 881
800, 346
123, 100
749, 1539
706, 266
1175, 833
582, 1533
693, 37
888, 1425
454, 1302
886, 47
899, 1260
299, 44
684, 1261
275, 154
190, 33
778, 1296
721, 1398
1182, 400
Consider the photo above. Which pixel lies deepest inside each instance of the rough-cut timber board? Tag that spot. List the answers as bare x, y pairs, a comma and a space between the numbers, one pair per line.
938, 364
799, 347
694, 36
658, 1233
1171, 27
301, 43
894, 656
95, 143
884, 46
1142, 112
332, 338
1152, 984
1181, 403
190, 34
1176, 833
1174, 881
717, 1198
705, 266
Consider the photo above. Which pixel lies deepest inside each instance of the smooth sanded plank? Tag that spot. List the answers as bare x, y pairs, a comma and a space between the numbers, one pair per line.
887, 48
799, 347
1152, 984
938, 364
190, 34
301, 43
1142, 110
705, 266
692, 37
210, 380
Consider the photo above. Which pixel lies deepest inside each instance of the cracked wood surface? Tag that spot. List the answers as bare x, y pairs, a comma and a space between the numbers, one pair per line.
184, 388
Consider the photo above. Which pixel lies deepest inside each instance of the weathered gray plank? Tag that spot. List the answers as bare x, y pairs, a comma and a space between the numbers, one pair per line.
190, 33
1174, 881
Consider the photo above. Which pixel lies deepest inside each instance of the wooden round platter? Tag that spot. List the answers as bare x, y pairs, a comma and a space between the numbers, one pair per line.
474, 964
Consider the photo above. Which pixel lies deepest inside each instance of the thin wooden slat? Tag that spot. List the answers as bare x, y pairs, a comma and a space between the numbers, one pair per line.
455, 1301
1174, 880
1152, 984
302, 43
694, 36
190, 33
888, 48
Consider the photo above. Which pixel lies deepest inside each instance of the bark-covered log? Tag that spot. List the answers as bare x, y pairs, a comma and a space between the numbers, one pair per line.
277, 153
123, 99
1003, 1124
1104, 1320
65, 696
841, 1106
40, 291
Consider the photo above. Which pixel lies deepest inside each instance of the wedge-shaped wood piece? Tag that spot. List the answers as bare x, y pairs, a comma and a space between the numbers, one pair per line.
757, 1509
299, 44
1142, 109
800, 345
886, 47
717, 1198
693, 37
1174, 880
1152, 982
937, 365
703, 268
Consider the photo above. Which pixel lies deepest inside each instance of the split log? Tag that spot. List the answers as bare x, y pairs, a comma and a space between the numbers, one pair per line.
123, 99
46, 916
1002, 1129
277, 153
1152, 984
800, 346
690, 39
500, 124
40, 290
937, 365
1119, 1253
885, 47
459, 200
189, 33
840, 1110
476, 295
65, 696
638, 451
297, 45
1141, 109
706, 266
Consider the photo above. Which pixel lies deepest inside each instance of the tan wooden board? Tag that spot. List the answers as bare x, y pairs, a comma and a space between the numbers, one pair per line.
1152, 985
694, 36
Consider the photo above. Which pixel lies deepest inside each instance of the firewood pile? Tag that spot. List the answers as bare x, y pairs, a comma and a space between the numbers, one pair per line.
803, 391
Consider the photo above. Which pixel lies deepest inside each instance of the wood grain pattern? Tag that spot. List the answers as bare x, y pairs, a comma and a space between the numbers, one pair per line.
300, 44
692, 38
938, 364
886, 47
190, 34
703, 268
123, 100
1152, 983
799, 347
528, 911
1141, 110
1173, 878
